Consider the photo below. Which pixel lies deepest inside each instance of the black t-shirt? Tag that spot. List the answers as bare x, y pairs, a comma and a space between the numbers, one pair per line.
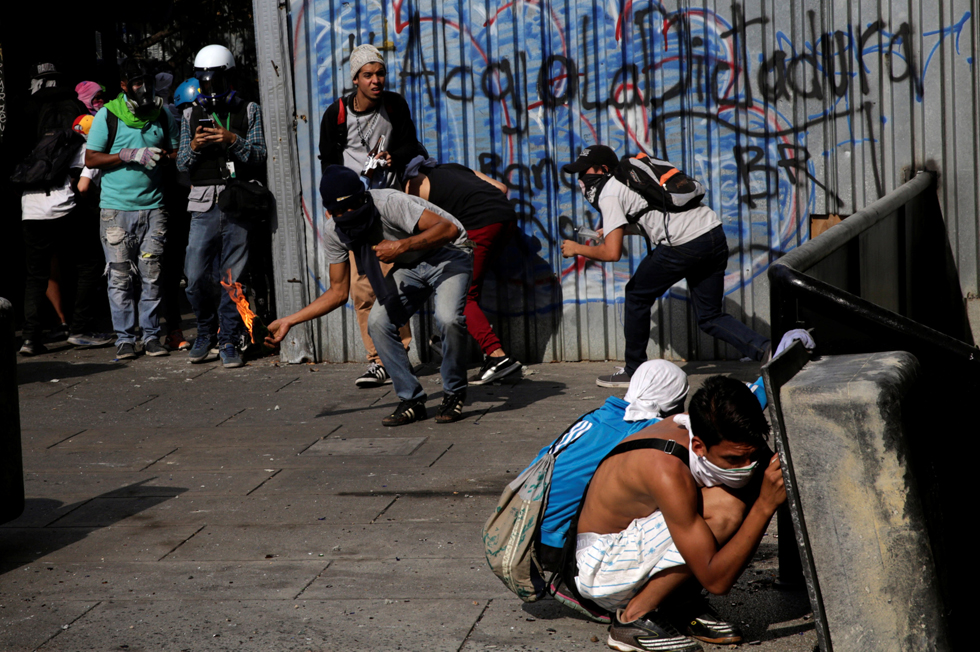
474, 202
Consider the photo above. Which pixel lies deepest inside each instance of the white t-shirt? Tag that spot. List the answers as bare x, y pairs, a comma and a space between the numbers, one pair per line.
58, 202
616, 201
400, 214
364, 130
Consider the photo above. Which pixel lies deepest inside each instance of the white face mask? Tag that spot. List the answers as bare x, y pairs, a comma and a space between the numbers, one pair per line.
707, 474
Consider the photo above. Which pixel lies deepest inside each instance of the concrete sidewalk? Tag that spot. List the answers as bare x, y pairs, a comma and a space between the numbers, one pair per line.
188, 507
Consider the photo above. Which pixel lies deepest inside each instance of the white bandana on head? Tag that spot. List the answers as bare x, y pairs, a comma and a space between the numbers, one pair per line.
657, 388
707, 474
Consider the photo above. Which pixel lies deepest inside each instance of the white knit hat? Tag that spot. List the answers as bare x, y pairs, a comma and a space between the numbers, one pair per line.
363, 55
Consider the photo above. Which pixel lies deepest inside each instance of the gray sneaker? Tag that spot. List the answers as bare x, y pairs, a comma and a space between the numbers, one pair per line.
618, 379
649, 633
153, 348
125, 351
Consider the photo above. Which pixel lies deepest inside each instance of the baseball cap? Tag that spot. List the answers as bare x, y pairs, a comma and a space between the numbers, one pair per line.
592, 156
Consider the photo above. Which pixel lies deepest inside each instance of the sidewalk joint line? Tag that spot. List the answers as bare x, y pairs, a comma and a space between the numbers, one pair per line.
66, 439
313, 443
375, 402
158, 459
67, 626
152, 397
263, 482
475, 623
174, 549
209, 369
71, 511
230, 418
387, 507
286, 385
477, 421
63, 389
315, 578
440, 456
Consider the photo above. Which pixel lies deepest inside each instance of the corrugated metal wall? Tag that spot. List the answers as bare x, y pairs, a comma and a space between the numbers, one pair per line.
783, 109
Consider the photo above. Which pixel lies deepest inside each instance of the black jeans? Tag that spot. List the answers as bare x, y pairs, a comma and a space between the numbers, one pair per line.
75, 239
702, 262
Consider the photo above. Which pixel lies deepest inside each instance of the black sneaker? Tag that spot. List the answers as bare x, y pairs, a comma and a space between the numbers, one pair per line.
375, 376
125, 351
406, 412
651, 632
154, 349
587, 608
494, 368
618, 379
698, 620
452, 407
32, 347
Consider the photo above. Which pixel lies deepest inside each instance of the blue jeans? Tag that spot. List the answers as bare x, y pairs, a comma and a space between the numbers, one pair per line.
215, 242
702, 262
133, 244
446, 274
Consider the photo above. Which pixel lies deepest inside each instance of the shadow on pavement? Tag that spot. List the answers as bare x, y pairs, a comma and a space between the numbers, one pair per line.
39, 531
43, 371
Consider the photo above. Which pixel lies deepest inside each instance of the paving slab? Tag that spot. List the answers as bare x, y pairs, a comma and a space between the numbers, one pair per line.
216, 544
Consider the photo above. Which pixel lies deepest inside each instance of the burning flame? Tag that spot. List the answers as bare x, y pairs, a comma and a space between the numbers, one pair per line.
237, 295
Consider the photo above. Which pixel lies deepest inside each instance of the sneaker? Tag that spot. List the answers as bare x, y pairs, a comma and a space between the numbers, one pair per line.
125, 351
201, 349
32, 347
375, 376
494, 368
698, 620
406, 412
618, 379
451, 409
91, 339
59, 333
230, 358
154, 349
587, 608
175, 341
651, 632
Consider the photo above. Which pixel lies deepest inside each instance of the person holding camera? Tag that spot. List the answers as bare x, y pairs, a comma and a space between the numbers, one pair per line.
221, 141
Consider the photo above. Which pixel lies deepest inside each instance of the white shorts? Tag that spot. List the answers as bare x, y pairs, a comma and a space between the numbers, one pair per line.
612, 568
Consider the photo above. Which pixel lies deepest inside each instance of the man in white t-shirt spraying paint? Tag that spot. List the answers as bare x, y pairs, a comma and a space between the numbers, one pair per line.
430, 254
696, 250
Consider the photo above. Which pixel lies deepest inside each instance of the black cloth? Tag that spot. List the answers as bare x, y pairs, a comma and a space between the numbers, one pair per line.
404, 144
74, 238
475, 203
359, 230
210, 167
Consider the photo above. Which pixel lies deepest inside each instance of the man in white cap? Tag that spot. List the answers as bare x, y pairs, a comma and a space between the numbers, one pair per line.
371, 132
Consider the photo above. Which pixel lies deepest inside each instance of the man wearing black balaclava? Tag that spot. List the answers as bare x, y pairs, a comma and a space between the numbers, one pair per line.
431, 256
132, 138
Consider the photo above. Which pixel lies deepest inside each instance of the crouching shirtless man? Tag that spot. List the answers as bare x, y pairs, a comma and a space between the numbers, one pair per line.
652, 519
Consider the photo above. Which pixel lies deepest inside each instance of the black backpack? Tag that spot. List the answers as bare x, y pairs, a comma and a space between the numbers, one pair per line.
665, 187
46, 167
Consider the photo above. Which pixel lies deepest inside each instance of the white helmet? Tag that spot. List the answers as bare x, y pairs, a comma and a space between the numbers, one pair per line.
214, 57
212, 67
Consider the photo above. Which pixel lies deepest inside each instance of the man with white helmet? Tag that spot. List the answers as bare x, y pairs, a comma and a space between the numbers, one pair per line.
221, 139
370, 132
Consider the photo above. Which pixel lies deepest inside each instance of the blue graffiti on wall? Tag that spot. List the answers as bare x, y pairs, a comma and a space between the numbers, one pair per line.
516, 89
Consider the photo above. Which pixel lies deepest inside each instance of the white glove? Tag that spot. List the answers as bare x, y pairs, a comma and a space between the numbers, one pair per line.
797, 334
145, 156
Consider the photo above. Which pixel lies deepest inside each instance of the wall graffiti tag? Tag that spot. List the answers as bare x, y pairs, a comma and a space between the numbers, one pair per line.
758, 108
